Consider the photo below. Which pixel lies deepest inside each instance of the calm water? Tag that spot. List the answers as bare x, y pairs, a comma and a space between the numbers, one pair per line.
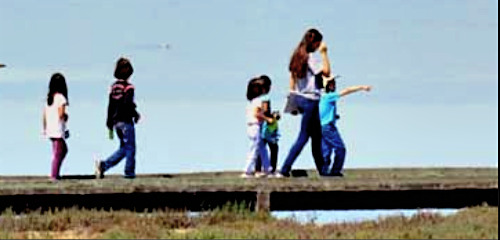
339, 216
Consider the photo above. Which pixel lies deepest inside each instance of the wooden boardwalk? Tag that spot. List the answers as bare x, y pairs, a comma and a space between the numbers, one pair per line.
359, 189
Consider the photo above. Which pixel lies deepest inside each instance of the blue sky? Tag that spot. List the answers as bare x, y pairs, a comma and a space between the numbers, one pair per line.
433, 66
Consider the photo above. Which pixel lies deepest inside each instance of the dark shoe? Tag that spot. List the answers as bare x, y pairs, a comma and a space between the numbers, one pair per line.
285, 174
337, 174
129, 177
299, 173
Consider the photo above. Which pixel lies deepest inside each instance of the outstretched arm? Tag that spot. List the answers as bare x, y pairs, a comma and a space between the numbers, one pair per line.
354, 89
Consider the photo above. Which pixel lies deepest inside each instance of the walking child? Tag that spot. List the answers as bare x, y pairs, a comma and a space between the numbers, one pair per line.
269, 133
122, 116
254, 120
55, 118
331, 139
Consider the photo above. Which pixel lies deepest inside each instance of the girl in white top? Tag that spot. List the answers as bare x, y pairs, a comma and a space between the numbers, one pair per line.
254, 120
54, 121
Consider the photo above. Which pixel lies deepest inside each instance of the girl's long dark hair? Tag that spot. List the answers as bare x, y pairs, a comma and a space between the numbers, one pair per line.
57, 85
298, 62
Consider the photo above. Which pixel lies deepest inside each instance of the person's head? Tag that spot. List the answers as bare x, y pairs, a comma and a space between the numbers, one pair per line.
57, 84
123, 69
254, 88
331, 85
266, 83
312, 39
309, 43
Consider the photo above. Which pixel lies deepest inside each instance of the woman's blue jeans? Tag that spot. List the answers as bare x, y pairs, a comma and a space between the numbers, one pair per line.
310, 127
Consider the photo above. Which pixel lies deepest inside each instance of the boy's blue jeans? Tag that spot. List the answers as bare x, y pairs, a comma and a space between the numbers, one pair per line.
126, 134
310, 127
332, 141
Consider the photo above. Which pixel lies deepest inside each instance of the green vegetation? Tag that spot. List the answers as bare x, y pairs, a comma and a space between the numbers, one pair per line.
355, 179
237, 222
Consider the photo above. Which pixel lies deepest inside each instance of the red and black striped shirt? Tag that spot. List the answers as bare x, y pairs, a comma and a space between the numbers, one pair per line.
121, 106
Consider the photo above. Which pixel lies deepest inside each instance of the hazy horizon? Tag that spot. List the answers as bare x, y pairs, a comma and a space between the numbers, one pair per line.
433, 66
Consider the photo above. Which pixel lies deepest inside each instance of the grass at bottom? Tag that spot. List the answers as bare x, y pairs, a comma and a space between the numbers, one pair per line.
235, 221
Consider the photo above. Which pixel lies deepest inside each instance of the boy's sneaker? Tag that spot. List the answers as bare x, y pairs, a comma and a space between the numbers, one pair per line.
99, 169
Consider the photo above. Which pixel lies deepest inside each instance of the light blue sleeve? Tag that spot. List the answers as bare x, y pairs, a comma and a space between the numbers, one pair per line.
330, 97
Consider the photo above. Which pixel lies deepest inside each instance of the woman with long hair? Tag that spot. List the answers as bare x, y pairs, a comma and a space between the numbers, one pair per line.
304, 72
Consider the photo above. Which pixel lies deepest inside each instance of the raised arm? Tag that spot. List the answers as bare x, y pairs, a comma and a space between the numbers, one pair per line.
354, 89
324, 57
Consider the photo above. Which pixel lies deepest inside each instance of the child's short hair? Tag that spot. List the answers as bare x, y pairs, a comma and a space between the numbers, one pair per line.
327, 81
123, 69
252, 84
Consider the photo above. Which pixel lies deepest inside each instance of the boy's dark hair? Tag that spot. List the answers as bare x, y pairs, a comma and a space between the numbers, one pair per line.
331, 84
123, 69
253, 84
57, 85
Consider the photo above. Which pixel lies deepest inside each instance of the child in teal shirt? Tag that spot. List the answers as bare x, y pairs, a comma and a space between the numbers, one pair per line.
331, 139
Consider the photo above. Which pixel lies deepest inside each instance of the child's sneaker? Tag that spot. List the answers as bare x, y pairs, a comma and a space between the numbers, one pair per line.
99, 168
276, 175
245, 175
261, 174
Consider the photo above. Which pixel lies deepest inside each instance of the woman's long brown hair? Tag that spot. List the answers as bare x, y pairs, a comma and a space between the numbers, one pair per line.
298, 63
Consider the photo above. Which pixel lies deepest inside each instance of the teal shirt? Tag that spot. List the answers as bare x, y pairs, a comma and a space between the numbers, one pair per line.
265, 98
269, 130
328, 107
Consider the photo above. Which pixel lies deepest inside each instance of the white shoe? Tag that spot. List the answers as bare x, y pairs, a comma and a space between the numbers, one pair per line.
276, 175
245, 175
98, 171
261, 175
